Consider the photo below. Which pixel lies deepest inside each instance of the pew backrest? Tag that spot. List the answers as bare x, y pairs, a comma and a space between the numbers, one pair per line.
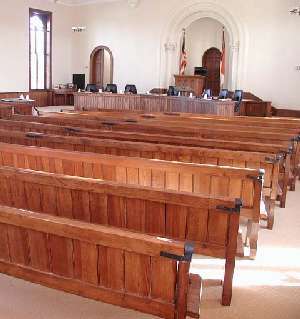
108, 264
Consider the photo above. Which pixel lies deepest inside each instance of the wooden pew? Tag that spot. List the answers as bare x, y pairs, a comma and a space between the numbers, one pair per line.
212, 223
175, 118
283, 131
155, 150
165, 128
208, 180
269, 162
143, 137
119, 267
279, 125
286, 132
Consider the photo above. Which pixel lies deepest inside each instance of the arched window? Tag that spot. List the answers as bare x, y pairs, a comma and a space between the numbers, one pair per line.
40, 49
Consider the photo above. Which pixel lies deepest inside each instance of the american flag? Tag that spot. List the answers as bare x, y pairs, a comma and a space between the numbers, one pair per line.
183, 57
223, 60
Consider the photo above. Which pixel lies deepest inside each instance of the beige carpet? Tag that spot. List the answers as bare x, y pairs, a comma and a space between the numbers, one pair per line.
267, 288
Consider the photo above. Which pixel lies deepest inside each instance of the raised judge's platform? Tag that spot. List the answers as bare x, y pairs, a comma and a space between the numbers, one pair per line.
151, 103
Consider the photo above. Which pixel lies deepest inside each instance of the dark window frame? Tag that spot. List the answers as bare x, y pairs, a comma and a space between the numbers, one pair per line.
47, 15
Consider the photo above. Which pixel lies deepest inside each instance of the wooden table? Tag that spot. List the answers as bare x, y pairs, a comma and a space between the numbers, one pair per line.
18, 106
151, 103
67, 95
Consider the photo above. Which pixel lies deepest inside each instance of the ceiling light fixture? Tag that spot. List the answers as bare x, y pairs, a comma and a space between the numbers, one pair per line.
78, 29
295, 11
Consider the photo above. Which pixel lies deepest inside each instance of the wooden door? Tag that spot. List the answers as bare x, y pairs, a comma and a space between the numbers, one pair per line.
97, 68
101, 66
211, 60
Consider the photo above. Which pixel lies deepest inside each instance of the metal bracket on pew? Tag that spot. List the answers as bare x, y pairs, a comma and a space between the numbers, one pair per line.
296, 138
34, 135
260, 177
72, 129
108, 123
148, 116
188, 253
290, 149
171, 113
130, 121
232, 210
275, 159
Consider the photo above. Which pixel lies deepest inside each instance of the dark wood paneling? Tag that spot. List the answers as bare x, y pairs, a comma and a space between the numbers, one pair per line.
151, 103
41, 97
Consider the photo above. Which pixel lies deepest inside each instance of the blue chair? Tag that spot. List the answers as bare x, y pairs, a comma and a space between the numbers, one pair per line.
237, 98
208, 92
223, 94
130, 88
91, 88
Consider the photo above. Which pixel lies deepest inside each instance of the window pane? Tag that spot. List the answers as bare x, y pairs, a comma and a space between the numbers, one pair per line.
40, 50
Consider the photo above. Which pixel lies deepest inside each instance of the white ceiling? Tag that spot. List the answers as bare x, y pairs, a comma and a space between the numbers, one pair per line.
81, 2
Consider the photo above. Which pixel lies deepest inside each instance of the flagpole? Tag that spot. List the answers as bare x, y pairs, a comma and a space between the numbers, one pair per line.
183, 55
223, 60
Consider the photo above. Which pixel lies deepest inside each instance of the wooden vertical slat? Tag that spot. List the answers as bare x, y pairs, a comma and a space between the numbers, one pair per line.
132, 176
111, 268
136, 214
197, 222
64, 203
109, 172
145, 177
18, 247
172, 181
86, 262
186, 182
176, 221
163, 279
81, 205
49, 200
116, 210
5, 195
137, 274
33, 196
61, 250
219, 186
158, 179
38, 249
202, 184
98, 208
217, 227
155, 218
4, 245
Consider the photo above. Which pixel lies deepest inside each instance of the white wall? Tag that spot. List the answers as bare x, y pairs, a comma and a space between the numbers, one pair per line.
202, 35
14, 43
270, 43
133, 36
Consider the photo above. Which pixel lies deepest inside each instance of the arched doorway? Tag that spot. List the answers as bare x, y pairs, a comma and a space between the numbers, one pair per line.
211, 61
101, 66
188, 12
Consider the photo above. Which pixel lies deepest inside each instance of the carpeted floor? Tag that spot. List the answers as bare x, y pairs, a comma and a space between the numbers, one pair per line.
267, 288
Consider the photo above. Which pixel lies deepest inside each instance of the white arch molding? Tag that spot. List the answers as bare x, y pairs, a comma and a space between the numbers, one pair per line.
184, 17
